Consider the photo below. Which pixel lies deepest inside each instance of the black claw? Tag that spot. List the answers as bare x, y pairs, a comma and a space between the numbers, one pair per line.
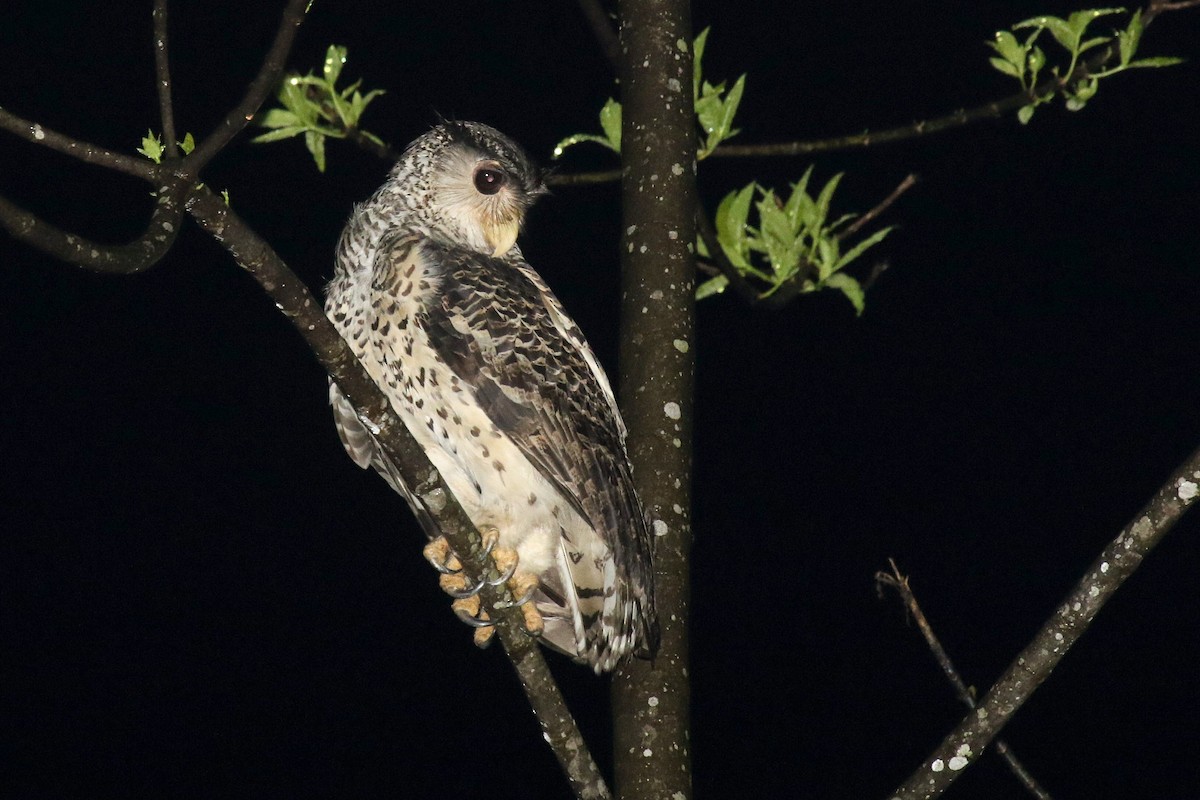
460, 594
474, 622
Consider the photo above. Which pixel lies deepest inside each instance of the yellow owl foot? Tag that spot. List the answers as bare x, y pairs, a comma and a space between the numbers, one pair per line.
500, 567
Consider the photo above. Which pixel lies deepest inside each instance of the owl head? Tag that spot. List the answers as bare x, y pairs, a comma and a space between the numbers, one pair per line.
469, 185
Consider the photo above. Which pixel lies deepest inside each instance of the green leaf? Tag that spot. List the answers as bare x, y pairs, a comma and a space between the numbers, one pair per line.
315, 142
732, 214
729, 109
1007, 67
152, 147
610, 123
860, 248
1009, 49
1025, 114
278, 134
697, 57
1096, 42
225, 195
335, 59
278, 118
822, 206
1159, 61
713, 286
1128, 39
850, 287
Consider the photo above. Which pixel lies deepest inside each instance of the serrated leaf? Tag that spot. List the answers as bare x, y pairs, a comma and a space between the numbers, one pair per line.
1007, 46
335, 59
1129, 38
279, 118
279, 134
188, 144
1080, 20
1095, 42
315, 142
729, 109
1006, 67
799, 206
152, 147
822, 205
713, 286
697, 57
732, 214
860, 248
610, 123
850, 287
1025, 114
1058, 28
1159, 61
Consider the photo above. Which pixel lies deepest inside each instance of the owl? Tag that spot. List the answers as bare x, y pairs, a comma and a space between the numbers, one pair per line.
497, 384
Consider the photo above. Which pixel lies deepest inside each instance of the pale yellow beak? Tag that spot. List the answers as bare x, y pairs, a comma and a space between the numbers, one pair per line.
501, 235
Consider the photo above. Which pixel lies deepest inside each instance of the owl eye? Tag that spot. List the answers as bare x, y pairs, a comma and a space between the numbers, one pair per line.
489, 181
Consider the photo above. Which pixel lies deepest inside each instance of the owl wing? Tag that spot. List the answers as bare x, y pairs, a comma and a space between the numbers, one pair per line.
505, 336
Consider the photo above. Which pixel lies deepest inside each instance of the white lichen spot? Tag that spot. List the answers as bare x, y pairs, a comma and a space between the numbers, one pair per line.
1187, 490
938, 765
656, 294
654, 178
546, 736
958, 762
672, 235
434, 500
678, 509
963, 750
680, 345
981, 713
647, 753
677, 483
95, 254
674, 85
168, 227
660, 528
38, 133
672, 410
643, 249
1094, 591
681, 45
677, 443
1058, 637
630, 230
652, 701
1104, 568
676, 169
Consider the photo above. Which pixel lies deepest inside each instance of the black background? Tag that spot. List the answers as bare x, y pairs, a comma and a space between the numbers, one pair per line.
201, 596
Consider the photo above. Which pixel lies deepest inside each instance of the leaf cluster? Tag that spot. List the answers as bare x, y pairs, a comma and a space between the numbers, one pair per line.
793, 245
313, 105
716, 106
1024, 60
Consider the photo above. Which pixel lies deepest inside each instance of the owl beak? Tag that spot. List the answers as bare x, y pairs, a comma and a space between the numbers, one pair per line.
501, 235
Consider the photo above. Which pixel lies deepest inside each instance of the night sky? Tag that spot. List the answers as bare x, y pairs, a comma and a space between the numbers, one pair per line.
201, 596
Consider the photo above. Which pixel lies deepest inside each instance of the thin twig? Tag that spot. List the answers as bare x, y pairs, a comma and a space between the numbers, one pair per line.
899, 582
909, 181
1119, 560
583, 178
263, 84
162, 71
84, 151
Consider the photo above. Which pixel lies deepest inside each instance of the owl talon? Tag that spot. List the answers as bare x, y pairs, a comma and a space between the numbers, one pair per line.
456, 586
440, 557
470, 611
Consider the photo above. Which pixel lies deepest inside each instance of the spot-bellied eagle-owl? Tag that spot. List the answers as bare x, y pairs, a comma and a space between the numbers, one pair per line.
498, 385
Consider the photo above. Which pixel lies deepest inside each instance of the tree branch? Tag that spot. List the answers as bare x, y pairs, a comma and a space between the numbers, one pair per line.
904, 591
602, 29
162, 70
651, 701
84, 151
263, 84
1034, 664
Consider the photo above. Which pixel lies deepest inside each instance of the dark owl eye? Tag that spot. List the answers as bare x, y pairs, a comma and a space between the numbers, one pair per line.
489, 181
